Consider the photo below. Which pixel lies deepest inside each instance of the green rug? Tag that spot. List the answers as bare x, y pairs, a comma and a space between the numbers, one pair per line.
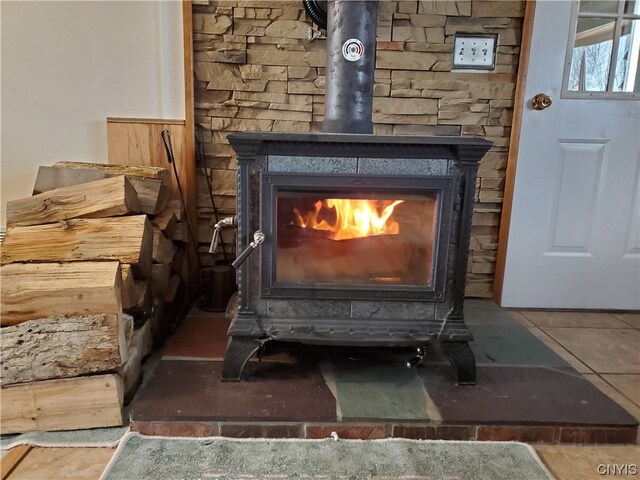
140, 457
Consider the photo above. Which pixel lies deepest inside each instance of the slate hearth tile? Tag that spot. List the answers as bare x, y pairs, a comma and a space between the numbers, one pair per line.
378, 389
602, 350
615, 395
547, 318
560, 350
349, 432
511, 433
436, 432
199, 336
511, 345
480, 312
192, 391
522, 396
177, 429
585, 435
262, 431
629, 385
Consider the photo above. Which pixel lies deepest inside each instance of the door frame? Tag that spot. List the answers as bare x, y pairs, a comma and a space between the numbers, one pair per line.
514, 146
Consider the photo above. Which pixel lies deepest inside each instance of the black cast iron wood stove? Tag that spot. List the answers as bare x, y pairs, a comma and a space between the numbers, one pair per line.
357, 239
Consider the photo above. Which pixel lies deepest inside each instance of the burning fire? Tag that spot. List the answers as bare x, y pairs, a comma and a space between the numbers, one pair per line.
353, 218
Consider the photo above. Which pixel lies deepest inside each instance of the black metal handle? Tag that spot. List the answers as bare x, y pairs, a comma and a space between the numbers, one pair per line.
258, 238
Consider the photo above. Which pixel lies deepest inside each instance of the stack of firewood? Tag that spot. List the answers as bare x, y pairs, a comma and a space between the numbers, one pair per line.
93, 271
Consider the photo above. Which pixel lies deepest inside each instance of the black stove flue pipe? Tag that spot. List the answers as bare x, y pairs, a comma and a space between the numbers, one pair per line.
351, 57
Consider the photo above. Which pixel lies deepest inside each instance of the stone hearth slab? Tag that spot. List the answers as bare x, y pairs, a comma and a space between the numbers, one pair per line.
191, 390
379, 389
523, 395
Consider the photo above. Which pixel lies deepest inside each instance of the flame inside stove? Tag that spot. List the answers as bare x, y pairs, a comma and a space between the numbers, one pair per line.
353, 218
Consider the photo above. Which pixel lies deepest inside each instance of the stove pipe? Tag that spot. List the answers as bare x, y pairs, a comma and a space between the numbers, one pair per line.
351, 57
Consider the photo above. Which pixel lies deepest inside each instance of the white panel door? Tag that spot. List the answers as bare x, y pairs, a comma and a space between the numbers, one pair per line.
574, 238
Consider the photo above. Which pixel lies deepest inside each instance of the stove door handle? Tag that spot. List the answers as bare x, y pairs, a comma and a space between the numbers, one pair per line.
258, 239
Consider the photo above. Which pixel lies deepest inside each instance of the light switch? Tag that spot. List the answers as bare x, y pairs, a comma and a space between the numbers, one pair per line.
474, 51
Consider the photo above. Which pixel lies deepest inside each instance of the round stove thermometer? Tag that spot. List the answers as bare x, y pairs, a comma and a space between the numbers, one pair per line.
353, 50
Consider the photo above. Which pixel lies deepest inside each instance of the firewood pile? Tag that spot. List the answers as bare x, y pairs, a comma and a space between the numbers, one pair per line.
93, 272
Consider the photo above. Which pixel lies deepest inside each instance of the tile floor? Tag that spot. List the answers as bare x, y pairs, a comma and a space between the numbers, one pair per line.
616, 372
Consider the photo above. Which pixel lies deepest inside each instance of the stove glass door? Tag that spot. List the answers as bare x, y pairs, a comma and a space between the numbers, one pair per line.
355, 239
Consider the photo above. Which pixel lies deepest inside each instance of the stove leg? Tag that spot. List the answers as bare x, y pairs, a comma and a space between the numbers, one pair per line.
461, 357
239, 351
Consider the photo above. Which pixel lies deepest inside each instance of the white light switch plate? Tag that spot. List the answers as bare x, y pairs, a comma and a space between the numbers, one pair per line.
474, 51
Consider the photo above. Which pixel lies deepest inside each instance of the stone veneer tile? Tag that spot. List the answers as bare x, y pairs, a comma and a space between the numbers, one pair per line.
509, 433
350, 432
292, 164
176, 429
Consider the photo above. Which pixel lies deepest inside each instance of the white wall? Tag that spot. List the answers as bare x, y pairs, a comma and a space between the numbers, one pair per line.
66, 66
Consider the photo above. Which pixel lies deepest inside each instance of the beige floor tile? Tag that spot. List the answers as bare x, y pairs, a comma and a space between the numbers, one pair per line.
614, 395
550, 318
521, 318
568, 462
63, 463
602, 350
627, 384
560, 350
631, 319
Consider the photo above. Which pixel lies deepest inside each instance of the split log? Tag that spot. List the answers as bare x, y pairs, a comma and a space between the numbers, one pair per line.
151, 184
131, 373
127, 239
180, 233
62, 404
32, 291
176, 207
102, 198
163, 248
165, 221
128, 290
64, 346
143, 304
160, 275
142, 339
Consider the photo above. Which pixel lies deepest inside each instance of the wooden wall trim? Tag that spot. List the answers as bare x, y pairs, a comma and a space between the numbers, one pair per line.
189, 141
161, 121
514, 145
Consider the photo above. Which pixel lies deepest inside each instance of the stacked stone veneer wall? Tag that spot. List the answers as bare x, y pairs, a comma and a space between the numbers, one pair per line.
256, 70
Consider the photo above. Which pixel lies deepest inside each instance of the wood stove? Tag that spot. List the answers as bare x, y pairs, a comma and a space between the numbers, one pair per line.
362, 240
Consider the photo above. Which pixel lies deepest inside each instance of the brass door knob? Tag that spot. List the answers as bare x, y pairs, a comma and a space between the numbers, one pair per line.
541, 101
